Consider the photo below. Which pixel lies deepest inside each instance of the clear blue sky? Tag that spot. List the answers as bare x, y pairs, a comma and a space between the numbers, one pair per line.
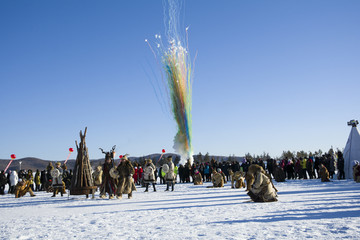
269, 76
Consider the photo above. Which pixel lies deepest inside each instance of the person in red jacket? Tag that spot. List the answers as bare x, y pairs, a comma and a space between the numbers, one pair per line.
136, 176
140, 174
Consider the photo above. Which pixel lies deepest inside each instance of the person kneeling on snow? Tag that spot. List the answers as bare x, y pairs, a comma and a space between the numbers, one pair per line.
197, 178
22, 188
262, 190
217, 180
237, 178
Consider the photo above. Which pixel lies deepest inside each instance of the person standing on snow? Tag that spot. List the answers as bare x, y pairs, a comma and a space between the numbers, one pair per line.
57, 179
14, 179
168, 168
149, 174
126, 183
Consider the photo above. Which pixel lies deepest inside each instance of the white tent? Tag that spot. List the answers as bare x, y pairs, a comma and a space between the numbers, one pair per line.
352, 150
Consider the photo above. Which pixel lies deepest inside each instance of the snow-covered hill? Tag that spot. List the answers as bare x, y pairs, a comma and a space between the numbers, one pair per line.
306, 209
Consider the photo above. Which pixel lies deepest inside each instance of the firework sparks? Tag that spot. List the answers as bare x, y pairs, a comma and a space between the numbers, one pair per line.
176, 66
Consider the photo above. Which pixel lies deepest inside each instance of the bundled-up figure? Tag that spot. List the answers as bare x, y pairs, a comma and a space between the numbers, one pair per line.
14, 179
48, 182
168, 169
222, 174
22, 188
149, 174
249, 176
237, 178
57, 180
29, 176
324, 173
3, 182
66, 177
279, 174
126, 183
108, 179
198, 180
37, 180
97, 176
217, 179
262, 190
356, 171
109, 174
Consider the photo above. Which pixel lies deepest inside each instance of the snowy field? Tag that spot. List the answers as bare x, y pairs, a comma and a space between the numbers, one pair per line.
306, 209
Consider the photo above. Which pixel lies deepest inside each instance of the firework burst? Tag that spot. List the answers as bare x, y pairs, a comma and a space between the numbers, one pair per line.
177, 79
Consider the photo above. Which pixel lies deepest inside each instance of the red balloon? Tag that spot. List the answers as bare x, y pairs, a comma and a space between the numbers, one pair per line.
71, 149
13, 156
120, 156
163, 151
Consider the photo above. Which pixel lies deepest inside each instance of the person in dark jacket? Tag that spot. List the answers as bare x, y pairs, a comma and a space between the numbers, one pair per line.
3, 182
340, 166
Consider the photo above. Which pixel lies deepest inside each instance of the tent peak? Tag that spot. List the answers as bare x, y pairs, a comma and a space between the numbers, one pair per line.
353, 123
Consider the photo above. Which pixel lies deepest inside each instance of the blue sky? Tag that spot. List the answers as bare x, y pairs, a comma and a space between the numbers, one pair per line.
269, 76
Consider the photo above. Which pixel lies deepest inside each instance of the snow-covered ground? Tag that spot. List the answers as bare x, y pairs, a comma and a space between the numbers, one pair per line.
306, 209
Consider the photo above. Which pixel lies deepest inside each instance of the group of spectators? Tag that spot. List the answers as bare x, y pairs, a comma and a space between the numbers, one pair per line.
296, 168
38, 181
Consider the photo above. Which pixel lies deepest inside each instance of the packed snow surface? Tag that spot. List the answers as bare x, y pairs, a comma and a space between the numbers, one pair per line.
306, 209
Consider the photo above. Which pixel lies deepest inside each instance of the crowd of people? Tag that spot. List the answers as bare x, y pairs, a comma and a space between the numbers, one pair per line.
115, 181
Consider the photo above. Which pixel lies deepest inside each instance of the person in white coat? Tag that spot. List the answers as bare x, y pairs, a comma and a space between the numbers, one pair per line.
14, 179
168, 168
57, 179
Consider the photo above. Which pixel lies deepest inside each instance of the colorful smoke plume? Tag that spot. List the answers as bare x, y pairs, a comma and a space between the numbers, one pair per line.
177, 74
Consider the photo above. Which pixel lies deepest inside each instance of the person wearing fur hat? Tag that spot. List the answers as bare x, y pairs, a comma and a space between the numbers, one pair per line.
108, 182
149, 174
217, 179
197, 178
97, 176
262, 190
57, 179
168, 168
222, 174
22, 188
126, 183
237, 178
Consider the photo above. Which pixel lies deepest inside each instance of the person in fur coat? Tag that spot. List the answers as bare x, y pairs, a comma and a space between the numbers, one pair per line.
217, 180
149, 174
22, 188
262, 189
57, 179
97, 176
169, 168
237, 178
197, 178
107, 182
324, 173
126, 183
356, 171
249, 176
